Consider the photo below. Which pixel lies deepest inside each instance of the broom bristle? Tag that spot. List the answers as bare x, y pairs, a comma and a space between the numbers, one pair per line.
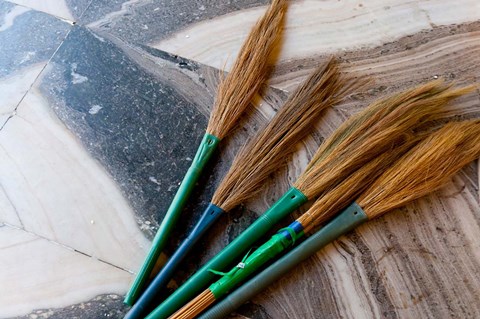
267, 152
196, 306
353, 128
250, 70
424, 169
378, 128
339, 197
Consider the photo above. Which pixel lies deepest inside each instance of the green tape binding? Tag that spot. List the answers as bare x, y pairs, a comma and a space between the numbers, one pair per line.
284, 238
347, 220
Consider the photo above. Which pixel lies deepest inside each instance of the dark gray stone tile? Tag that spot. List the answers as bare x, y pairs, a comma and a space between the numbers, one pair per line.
77, 7
140, 112
148, 21
28, 39
104, 306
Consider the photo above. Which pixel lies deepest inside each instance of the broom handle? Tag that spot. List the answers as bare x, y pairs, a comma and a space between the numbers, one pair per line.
346, 221
288, 203
204, 153
281, 241
211, 214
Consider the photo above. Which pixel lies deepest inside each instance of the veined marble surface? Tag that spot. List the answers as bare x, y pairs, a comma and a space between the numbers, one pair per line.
69, 10
103, 104
24, 51
318, 28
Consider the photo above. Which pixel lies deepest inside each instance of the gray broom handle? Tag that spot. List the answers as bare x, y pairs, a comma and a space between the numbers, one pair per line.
348, 219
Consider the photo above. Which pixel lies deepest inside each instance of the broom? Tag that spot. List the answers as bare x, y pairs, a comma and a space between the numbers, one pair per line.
422, 170
234, 94
361, 139
255, 162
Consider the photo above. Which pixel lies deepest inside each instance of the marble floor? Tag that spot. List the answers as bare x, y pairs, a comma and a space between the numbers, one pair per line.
103, 103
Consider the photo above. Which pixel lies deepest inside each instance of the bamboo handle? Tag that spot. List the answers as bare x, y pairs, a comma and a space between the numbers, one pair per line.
288, 203
346, 221
204, 153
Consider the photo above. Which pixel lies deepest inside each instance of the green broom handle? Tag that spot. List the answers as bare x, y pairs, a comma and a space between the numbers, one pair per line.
288, 203
281, 241
204, 153
346, 221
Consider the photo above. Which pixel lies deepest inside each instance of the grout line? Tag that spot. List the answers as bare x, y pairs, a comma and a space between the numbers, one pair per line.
13, 205
67, 247
81, 15
102, 261
14, 112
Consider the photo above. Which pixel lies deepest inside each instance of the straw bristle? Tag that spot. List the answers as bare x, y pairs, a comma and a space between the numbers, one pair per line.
339, 197
424, 169
250, 71
382, 126
267, 152
196, 306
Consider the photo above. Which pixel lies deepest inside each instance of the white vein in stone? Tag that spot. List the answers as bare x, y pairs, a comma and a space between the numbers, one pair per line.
319, 27
10, 16
57, 8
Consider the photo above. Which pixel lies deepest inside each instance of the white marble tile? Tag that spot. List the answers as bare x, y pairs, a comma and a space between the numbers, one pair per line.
8, 213
318, 27
60, 192
451, 12
37, 273
57, 8
15, 86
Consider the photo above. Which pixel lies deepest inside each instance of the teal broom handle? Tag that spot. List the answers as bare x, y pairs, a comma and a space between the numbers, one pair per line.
288, 203
204, 153
346, 221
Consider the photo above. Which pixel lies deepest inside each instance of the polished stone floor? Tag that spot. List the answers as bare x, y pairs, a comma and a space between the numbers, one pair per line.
103, 103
